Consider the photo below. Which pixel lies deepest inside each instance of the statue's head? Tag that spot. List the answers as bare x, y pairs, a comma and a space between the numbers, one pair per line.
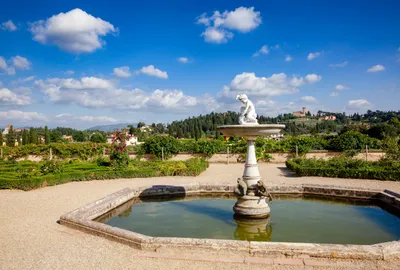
243, 98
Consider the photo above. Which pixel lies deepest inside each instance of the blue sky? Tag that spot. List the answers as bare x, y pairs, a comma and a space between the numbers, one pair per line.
68, 63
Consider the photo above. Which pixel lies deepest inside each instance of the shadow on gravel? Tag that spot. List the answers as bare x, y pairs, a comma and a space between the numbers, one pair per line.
286, 172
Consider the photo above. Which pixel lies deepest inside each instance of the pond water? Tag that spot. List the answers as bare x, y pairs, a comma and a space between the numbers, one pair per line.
309, 220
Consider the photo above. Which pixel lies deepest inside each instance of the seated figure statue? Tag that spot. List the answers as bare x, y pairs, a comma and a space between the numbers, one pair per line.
247, 111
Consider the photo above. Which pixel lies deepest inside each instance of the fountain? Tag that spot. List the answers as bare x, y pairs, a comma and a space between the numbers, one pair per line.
251, 191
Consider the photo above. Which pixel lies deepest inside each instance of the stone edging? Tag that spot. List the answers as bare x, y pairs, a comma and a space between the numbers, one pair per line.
83, 219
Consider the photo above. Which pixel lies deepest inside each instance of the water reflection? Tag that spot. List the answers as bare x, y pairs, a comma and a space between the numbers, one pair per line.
253, 229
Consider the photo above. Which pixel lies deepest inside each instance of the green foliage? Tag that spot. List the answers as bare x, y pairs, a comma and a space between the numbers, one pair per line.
46, 135
27, 175
345, 168
82, 151
392, 148
10, 137
352, 140
51, 166
118, 153
156, 144
1, 138
33, 137
79, 136
98, 138
212, 147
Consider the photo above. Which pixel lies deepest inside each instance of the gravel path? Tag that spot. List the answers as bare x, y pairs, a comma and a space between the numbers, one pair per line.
31, 238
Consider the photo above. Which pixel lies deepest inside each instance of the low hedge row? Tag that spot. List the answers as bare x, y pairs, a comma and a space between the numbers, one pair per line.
85, 171
374, 170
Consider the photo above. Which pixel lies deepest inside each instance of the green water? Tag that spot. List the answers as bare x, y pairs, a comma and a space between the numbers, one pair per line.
291, 220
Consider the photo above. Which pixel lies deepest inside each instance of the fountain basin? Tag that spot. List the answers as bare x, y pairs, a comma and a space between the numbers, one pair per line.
251, 130
84, 218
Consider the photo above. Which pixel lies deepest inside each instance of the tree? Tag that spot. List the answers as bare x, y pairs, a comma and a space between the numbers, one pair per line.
98, 138
141, 124
79, 136
33, 137
1, 138
179, 133
55, 136
25, 137
46, 135
10, 137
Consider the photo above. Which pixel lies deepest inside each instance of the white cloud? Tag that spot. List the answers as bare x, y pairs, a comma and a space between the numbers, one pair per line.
288, 58
242, 19
359, 104
3, 63
152, 71
23, 80
69, 72
122, 72
20, 62
97, 119
16, 115
4, 67
10, 98
308, 99
341, 87
214, 35
75, 31
340, 64
263, 50
312, 56
63, 115
71, 91
334, 94
313, 78
183, 60
8, 26
376, 68
249, 83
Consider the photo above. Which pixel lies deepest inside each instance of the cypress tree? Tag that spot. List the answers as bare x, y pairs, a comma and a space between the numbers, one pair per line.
33, 137
46, 135
10, 137
1, 138
25, 137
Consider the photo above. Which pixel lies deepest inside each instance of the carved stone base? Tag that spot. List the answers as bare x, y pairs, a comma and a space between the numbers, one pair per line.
251, 207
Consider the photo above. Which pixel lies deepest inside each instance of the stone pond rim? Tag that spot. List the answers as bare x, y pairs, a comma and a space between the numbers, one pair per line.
251, 130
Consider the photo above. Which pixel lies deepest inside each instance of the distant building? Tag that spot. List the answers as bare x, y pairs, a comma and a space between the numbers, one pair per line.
300, 113
328, 118
132, 141
67, 138
146, 129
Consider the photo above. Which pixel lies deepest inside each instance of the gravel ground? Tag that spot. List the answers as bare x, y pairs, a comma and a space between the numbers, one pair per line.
31, 238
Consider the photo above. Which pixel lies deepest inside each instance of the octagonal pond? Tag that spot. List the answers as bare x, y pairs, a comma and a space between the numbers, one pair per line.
292, 219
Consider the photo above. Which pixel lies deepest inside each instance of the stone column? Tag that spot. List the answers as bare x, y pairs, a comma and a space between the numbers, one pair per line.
251, 173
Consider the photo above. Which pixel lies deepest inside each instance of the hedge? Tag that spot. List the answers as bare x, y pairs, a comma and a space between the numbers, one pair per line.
323, 168
10, 178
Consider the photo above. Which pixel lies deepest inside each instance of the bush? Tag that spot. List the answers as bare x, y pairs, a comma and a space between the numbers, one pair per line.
345, 168
15, 178
119, 157
352, 140
157, 144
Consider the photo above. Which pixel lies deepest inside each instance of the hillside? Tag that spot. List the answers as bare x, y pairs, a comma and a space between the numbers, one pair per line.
110, 128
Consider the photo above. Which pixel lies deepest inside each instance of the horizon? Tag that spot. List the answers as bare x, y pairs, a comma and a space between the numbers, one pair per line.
81, 65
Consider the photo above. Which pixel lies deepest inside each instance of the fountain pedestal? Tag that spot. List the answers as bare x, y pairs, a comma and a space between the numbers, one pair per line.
250, 205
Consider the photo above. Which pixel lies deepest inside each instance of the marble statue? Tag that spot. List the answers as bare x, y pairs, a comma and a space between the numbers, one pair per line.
262, 190
247, 111
241, 188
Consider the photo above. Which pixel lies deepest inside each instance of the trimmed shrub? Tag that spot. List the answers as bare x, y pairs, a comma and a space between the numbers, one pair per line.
345, 168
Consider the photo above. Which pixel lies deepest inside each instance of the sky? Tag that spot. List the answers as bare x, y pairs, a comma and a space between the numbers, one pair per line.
85, 63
